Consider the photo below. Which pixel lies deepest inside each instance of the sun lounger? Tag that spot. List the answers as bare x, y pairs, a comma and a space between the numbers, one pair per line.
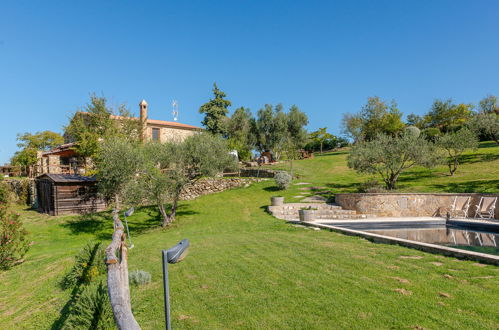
461, 205
486, 208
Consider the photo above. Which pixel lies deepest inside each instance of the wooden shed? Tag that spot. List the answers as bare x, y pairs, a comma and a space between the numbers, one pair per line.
66, 194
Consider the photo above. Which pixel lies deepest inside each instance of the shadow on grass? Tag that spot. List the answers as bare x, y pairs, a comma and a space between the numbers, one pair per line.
414, 175
477, 158
100, 224
479, 186
330, 153
271, 189
488, 144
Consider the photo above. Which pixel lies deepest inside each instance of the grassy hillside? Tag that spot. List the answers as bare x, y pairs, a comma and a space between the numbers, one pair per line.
247, 269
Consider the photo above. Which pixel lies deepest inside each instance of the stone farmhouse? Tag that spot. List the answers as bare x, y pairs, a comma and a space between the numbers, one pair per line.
64, 159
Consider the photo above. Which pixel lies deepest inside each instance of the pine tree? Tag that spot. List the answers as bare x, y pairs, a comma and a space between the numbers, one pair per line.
216, 111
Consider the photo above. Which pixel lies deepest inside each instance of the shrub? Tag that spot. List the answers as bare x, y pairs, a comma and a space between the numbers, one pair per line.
413, 130
371, 186
139, 277
91, 309
13, 237
282, 179
89, 264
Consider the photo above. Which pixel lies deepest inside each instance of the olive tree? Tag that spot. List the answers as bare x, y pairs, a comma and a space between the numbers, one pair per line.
455, 143
171, 167
119, 163
389, 156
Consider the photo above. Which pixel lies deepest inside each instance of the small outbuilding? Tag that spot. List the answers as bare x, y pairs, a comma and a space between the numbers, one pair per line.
66, 194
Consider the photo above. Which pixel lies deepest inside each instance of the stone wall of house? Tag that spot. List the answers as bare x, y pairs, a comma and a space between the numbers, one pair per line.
174, 134
407, 204
169, 134
208, 186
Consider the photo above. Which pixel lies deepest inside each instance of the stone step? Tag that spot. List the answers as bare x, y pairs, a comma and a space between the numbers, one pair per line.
317, 212
334, 217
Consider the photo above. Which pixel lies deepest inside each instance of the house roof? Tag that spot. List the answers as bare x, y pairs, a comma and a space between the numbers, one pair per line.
157, 122
60, 149
67, 178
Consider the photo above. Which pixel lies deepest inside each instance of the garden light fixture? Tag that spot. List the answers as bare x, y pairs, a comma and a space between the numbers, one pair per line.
172, 256
127, 214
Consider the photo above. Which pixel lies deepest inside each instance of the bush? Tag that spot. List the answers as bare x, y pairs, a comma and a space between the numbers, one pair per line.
91, 309
413, 130
283, 180
89, 264
139, 277
371, 186
13, 237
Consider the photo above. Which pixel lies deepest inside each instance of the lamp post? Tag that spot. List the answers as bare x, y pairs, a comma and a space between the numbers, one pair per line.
172, 256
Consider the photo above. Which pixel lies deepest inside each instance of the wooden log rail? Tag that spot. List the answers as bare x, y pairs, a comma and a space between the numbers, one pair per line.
117, 278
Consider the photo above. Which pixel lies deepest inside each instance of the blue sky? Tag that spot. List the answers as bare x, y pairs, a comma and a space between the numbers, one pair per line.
326, 57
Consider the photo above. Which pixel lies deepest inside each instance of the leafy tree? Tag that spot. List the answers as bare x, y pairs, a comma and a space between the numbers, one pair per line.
173, 166
351, 126
119, 162
216, 111
296, 122
447, 116
320, 136
43, 141
271, 129
98, 122
376, 117
431, 133
415, 120
280, 132
31, 143
389, 156
455, 143
486, 125
240, 132
489, 104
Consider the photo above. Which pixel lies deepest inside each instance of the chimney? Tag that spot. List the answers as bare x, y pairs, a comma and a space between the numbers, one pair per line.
143, 118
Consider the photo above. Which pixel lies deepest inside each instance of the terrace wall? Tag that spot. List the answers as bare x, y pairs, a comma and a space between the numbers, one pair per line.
406, 204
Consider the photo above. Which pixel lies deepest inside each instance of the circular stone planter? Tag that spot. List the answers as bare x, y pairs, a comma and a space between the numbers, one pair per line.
307, 215
277, 201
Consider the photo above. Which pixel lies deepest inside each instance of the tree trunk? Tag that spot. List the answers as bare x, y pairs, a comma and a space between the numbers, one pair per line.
163, 214
117, 278
453, 167
392, 181
170, 217
321, 148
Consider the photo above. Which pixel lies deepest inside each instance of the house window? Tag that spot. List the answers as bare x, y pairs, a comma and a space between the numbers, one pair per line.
155, 134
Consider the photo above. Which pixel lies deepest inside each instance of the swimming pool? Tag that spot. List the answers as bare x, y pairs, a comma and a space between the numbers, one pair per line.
471, 238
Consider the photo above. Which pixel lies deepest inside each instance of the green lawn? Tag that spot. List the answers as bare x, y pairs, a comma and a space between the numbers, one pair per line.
247, 269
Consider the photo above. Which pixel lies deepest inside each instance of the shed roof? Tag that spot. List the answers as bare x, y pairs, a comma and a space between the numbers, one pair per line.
67, 178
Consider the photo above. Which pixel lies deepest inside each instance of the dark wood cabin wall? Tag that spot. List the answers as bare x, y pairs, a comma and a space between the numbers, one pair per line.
78, 198
45, 192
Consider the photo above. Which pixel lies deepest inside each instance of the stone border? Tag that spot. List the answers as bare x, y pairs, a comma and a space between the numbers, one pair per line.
407, 204
426, 247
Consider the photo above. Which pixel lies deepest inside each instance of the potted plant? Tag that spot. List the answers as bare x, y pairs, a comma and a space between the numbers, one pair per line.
307, 213
277, 200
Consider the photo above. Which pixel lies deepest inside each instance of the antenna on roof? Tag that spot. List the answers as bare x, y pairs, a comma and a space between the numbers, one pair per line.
175, 110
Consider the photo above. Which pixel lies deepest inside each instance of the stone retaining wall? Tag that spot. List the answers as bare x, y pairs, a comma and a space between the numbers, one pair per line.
253, 173
406, 204
208, 186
